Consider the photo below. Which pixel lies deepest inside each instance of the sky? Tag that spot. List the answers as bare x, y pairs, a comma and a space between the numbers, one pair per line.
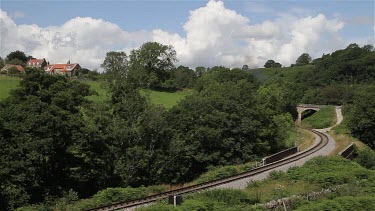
203, 33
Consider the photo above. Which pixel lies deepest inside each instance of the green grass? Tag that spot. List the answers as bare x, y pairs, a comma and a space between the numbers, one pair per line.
325, 117
6, 84
287, 73
166, 99
99, 89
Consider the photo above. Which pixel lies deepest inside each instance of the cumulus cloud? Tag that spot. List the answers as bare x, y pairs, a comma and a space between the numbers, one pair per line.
214, 35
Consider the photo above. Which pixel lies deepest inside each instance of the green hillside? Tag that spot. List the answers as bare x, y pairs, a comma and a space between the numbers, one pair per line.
6, 84
166, 99
325, 117
288, 73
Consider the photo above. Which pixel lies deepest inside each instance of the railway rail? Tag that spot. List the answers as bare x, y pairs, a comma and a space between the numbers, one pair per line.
323, 141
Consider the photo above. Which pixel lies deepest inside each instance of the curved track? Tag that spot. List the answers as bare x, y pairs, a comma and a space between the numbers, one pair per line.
143, 201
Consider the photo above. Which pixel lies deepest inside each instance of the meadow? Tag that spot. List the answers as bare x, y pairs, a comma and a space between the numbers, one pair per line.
287, 73
6, 84
166, 99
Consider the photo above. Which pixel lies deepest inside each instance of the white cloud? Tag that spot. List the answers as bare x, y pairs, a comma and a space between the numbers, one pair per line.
214, 35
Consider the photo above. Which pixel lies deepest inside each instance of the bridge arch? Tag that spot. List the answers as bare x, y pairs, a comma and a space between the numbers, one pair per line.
304, 107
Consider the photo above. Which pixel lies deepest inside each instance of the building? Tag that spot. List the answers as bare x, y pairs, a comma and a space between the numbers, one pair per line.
8, 66
37, 63
62, 69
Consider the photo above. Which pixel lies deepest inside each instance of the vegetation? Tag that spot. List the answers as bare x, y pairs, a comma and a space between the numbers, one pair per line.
321, 172
271, 64
304, 59
60, 144
324, 118
6, 84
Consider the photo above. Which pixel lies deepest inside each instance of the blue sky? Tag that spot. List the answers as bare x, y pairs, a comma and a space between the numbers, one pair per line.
171, 16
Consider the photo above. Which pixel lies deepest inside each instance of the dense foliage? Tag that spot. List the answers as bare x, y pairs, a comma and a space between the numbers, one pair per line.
40, 125
361, 116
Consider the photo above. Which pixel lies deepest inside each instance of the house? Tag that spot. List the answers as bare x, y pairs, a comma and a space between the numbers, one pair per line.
8, 66
36, 63
63, 69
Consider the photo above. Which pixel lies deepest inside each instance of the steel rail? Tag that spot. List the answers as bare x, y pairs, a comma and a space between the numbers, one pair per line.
152, 198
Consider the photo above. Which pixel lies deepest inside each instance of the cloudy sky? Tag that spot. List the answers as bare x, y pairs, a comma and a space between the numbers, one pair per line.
204, 33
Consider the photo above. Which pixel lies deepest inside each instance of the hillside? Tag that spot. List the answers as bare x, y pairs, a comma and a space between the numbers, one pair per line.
6, 84
287, 73
166, 99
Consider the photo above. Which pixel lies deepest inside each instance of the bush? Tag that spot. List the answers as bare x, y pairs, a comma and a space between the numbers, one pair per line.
218, 173
366, 158
342, 203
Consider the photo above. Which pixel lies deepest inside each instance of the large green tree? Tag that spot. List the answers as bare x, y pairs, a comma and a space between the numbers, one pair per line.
361, 117
304, 59
40, 121
151, 63
17, 55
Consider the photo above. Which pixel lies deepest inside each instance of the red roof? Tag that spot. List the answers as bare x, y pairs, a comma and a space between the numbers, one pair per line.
61, 67
7, 66
35, 61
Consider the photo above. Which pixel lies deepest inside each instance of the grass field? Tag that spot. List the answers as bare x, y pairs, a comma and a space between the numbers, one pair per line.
323, 118
166, 99
6, 84
287, 73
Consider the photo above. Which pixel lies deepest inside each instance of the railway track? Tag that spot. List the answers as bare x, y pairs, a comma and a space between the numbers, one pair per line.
203, 186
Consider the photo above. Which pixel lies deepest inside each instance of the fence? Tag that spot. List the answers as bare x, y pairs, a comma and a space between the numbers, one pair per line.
280, 155
348, 152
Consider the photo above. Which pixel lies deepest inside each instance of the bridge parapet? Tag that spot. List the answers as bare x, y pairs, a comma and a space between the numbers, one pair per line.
310, 106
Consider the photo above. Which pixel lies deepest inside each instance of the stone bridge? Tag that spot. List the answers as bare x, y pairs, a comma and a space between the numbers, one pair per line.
304, 107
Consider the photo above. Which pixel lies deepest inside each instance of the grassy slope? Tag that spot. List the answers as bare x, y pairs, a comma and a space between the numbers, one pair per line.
166, 99
323, 118
6, 84
287, 73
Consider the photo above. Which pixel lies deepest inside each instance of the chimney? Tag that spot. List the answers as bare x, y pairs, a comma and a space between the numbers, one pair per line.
68, 62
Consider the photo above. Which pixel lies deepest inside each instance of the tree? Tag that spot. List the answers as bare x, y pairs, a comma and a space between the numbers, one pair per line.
41, 121
116, 63
272, 64
16, 62
200, 70
304, 59
151, 63
269, 64
183, 77
361, 118
245, 67
2, 63
17, 55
